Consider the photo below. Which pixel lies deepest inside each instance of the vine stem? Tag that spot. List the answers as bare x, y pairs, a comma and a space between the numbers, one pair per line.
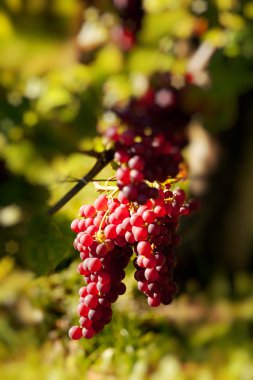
102, 160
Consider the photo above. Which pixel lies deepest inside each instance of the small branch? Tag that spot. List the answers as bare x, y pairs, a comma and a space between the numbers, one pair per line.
104, 180
90, 153
103, 159
68, 180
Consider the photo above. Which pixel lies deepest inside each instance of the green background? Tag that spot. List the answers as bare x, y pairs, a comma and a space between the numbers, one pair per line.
52, 94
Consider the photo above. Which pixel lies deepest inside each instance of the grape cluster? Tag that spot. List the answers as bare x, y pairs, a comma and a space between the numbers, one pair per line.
108, 233
131, 14
150, 149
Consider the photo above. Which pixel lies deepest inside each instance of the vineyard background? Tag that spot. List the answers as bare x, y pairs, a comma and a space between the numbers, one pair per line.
55, 82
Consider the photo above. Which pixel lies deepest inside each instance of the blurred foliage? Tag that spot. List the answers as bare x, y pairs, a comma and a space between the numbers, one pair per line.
195, 338
53, 88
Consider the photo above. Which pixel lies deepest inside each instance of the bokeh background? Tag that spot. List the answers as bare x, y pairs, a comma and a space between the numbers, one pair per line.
62, 62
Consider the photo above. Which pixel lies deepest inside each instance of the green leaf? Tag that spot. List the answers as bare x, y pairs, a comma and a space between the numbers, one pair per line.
46, 244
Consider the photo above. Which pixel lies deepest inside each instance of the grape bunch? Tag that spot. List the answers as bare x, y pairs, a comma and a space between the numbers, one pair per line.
131, 14
109, 232
149, 140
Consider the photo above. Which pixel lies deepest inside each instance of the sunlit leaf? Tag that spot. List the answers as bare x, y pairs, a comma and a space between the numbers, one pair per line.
52, 98
179, 23
146, 61
108, 61
6, 28
233, 21
248, 9
227, 4
216, 37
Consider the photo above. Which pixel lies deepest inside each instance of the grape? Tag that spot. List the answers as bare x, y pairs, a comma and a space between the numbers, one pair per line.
86, 240
144, 248
140, 233
136, 176
121, 212
120, 241
75, 333
100, 203
149, 262
149, 216
151, 274
94, 264
143, 286
102, 249
82, 310
95, 315
154, 229
91, 230
83, 291
92, 288
129, 237
104, 278
89, 211
85, 322
81, 269
123, 175
136, 220
121, 156
179, 196
127, 137
74, 225
130, 192
121, 288
110, 231
113, 219
120, 230
88, 333
103, 288
160, 211
136, 162
154, 301
91, 301
126, 224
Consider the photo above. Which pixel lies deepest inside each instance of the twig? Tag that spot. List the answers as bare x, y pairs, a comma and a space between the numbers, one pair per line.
104, 180
103, 159
68, 179
90, 153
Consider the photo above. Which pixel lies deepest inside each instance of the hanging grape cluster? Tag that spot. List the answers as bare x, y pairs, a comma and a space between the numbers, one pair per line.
141, 216
109, 232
